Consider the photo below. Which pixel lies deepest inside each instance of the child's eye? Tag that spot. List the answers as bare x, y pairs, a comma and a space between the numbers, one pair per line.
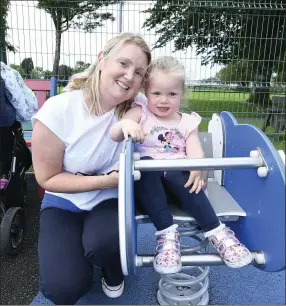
156, 93
172, 94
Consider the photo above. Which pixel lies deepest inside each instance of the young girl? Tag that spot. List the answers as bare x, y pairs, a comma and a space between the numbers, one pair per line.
162, 132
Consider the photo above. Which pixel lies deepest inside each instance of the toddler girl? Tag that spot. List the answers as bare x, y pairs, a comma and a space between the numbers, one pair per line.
162, 132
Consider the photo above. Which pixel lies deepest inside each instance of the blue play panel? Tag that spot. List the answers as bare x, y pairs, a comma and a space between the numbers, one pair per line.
227, 286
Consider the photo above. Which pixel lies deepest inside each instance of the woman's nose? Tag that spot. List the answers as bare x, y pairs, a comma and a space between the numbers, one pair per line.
129, 75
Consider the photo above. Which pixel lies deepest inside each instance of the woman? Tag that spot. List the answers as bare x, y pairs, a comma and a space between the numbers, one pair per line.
79, 216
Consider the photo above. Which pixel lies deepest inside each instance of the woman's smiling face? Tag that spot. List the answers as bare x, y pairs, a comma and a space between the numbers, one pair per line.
122, 74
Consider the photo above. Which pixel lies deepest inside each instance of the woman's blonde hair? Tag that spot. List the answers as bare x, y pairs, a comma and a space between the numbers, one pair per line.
166, 64
88, 80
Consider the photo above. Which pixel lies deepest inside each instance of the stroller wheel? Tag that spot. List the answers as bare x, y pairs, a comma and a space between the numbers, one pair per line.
12, 231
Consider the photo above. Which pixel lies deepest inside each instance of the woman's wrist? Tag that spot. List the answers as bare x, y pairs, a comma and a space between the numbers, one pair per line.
109, 181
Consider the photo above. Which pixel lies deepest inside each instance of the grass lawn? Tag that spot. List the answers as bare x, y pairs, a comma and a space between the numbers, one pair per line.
205, 103
279, 145
208, 102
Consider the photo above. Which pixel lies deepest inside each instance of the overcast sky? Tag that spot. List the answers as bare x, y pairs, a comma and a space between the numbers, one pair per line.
32, 32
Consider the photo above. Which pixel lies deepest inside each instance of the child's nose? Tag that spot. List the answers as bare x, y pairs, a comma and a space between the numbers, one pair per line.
164, 100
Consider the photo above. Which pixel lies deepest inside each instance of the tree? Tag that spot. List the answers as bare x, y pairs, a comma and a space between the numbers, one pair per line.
74, 14
240, 72
80, 66
19, 69
226, 32
28, 65
4, 39
37, 73
48, 74
64, 74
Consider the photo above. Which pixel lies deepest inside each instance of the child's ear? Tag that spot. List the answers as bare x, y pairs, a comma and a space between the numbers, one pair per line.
100, 60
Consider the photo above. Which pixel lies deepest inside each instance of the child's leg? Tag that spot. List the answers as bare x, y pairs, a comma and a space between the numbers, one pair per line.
150, 193
198, 206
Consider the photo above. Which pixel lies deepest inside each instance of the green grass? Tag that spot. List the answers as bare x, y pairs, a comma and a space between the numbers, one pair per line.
206, 103
209, 102
279, 145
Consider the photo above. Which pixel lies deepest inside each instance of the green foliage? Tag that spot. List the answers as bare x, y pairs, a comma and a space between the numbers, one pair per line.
19, 69
64, 74
240, 72
37, 73
223, 31
80, 66
4, 38
74, 14
27, 65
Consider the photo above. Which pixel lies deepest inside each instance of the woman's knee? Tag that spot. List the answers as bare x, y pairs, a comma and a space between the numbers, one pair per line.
66, 292
102, 248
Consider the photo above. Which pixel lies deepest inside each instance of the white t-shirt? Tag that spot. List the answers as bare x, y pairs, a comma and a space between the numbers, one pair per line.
88, 146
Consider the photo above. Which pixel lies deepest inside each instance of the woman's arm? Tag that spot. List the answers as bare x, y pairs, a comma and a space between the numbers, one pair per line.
128, 126
47, 153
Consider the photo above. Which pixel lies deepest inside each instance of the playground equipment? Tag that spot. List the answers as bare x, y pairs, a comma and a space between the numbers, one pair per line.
246, 187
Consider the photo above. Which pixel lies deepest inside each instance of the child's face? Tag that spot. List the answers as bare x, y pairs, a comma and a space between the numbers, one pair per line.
164, 92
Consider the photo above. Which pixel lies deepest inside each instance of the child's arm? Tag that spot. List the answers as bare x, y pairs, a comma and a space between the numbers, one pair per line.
128, 126
193, 145
194, 150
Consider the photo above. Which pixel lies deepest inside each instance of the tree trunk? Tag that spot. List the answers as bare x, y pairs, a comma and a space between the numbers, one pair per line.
57, 53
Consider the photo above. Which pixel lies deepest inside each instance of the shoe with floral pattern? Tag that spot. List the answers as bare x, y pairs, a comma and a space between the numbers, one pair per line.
168, 257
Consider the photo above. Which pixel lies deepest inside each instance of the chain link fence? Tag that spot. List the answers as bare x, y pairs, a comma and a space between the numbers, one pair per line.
234, 52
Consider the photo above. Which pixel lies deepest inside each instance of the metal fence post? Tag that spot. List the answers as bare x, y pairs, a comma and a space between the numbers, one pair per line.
120, 15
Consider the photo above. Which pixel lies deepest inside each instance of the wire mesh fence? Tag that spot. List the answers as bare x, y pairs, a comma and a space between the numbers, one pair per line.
234, 52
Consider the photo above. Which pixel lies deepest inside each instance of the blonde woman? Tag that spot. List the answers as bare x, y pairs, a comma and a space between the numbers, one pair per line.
74, 161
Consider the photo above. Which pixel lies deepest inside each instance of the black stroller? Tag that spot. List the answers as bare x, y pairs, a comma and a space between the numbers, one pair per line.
15, 160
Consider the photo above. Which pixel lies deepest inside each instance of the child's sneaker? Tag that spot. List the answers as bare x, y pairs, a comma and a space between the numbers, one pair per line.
232, 251
168, 257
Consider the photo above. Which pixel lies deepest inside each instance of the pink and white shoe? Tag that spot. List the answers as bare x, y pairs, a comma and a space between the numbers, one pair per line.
168, 257
232, 251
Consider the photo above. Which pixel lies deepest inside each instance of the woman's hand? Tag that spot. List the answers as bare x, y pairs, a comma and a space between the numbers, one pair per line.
133, 129
196, 178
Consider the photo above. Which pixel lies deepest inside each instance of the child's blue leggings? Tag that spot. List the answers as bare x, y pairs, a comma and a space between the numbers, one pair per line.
155, 189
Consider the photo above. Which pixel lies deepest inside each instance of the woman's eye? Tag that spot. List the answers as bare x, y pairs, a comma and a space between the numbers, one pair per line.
123, 64
138, 73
